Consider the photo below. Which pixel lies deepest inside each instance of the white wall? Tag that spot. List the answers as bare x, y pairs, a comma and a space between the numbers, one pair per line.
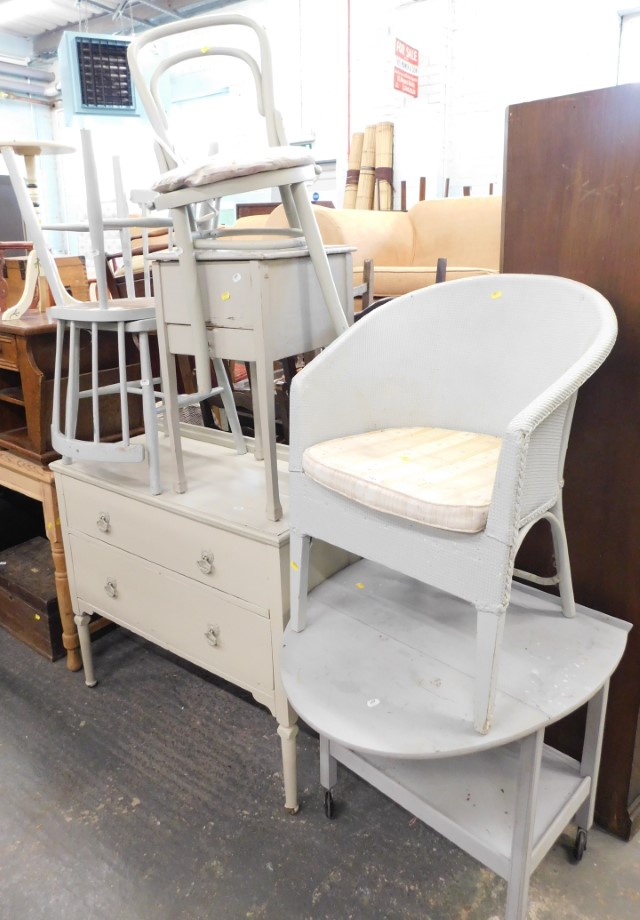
476, 58
333, 66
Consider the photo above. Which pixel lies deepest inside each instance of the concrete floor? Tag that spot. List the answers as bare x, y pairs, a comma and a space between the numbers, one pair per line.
158, 795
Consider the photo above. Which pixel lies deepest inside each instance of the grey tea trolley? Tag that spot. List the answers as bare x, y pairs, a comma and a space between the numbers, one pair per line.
384, 673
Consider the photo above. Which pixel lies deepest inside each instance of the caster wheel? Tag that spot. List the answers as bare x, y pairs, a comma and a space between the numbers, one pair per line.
328, 803
580, 845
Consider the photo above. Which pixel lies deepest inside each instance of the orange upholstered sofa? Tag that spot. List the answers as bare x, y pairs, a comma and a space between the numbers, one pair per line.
405, 245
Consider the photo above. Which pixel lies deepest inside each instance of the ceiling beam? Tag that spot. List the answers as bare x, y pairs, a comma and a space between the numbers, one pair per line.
144, 14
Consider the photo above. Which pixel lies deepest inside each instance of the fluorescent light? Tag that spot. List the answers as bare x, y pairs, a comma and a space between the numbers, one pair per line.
16, 9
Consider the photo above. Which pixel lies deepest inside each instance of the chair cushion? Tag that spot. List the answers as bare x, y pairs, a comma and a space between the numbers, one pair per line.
432, 476
220, 167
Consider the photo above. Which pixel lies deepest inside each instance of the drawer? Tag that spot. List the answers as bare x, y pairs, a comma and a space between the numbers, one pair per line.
232, 291
285, 290
216, 558
195, 622
8, 352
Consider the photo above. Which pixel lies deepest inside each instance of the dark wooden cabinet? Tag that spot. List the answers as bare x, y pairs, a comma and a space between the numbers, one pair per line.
571, 204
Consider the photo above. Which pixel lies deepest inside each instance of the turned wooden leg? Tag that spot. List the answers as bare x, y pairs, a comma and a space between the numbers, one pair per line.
54, 535
288, 735
84, 635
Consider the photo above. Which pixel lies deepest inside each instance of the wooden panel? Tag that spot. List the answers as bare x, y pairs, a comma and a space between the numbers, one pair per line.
8, 352
571, 204
28, 604
250, 208
72, 274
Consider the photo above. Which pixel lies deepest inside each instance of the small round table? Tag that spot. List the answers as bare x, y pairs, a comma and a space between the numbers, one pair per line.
30, 149
384, 672
28, 201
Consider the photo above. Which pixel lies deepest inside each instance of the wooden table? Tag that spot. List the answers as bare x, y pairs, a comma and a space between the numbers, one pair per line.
36, 481
384, 671
29, 202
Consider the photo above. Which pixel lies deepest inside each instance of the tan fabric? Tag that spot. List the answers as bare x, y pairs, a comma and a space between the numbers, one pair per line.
391, 281
464, 231
405, 246
219, 167
429, 475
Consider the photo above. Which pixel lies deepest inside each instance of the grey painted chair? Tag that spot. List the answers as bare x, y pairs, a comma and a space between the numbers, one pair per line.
126, 317
191, 190
447, 440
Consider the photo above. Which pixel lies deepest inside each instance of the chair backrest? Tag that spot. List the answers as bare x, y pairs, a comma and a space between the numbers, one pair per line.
477, 350
147, 79
465, 231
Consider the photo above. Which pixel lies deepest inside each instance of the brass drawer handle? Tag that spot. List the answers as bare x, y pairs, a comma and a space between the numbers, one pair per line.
111, 587
104, 522
205, 562
212, 635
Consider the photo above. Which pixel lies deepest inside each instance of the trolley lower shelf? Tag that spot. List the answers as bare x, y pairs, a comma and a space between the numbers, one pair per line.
477, 812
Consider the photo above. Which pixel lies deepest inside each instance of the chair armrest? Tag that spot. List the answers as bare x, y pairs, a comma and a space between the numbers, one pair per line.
529, 475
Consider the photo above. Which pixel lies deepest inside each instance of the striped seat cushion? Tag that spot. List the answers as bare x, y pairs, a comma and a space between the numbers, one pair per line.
219, 167
432, 476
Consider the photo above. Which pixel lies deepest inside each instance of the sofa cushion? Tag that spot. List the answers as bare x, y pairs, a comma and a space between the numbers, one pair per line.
405, 246
464, 231
394, 280
433, 476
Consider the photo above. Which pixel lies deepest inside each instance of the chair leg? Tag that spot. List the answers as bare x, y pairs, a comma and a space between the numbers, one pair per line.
258, 445
561, 553
299, 549
192, 298
71, 407
264, 401
229, 404
319, 259
56, 432
122, 379
150, 415
490, 629
170, 398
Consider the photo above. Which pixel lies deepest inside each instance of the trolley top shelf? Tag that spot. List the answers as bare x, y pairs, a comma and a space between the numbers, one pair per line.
386, 665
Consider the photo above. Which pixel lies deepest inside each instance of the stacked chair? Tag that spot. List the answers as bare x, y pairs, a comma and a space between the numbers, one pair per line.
192, 189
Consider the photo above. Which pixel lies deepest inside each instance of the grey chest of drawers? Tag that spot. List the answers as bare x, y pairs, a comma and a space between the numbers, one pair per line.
202, 573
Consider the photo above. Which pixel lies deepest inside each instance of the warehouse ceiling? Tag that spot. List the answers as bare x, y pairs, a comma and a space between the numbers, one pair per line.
44, 21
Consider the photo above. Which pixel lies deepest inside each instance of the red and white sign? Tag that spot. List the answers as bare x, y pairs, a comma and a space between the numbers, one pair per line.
405, 71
